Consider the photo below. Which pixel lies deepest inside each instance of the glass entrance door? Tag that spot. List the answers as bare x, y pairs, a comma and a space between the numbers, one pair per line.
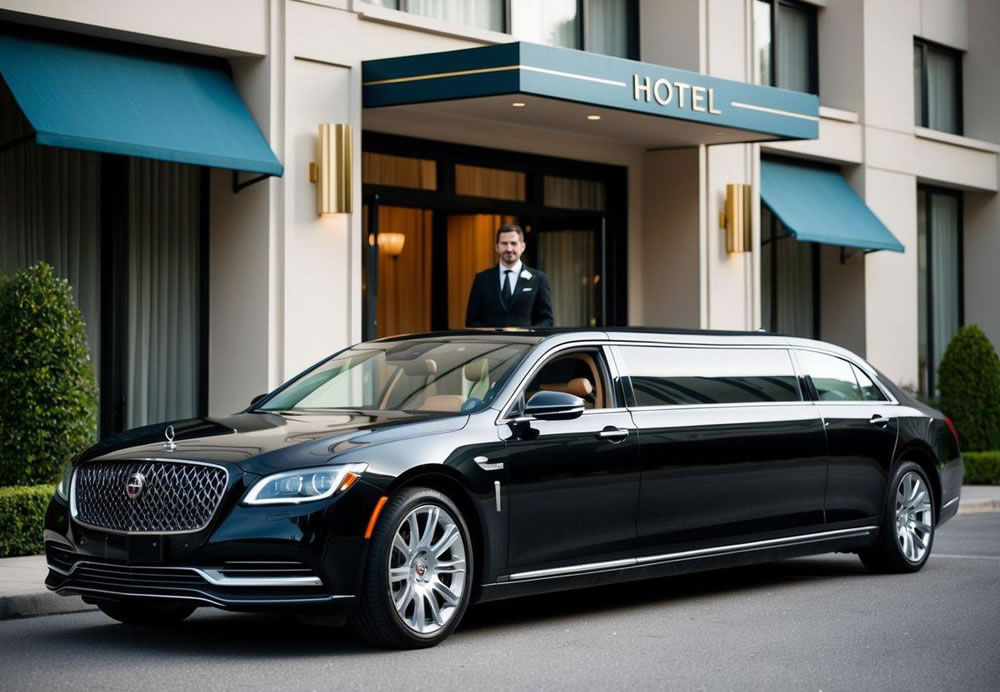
571, 251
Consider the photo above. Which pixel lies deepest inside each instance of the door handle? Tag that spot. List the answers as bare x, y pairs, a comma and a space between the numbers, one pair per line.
880, 421
612, 434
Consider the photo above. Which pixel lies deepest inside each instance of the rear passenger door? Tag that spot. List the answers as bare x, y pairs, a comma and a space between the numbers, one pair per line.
728, 447
861, 430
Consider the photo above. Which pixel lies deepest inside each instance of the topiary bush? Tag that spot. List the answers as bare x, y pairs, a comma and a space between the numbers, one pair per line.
48, 396
982, 468
969, 385
22, 518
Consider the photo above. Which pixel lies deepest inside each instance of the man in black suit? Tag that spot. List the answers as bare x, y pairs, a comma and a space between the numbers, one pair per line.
510, 295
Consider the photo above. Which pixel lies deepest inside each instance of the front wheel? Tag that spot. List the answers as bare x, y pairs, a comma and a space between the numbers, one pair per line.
419, 572
139, 612
907, 529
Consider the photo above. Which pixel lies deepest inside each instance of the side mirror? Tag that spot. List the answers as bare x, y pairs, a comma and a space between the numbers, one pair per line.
545, 405
253, 402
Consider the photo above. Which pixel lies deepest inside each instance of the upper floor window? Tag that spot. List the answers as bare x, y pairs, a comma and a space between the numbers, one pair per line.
937, 87
785, 45
599, 26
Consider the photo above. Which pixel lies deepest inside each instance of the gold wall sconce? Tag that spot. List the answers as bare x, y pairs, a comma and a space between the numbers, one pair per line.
736, 217
331, 171
392, 243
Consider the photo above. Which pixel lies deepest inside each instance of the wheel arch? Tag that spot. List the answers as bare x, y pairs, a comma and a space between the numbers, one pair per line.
923, 456
447, 481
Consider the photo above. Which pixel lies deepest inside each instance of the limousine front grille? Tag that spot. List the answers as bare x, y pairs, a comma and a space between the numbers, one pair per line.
148, 496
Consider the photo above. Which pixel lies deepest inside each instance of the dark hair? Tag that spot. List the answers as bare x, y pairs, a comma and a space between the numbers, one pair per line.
510, 228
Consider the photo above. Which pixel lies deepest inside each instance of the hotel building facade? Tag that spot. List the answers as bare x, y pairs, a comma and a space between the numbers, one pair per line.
822, 168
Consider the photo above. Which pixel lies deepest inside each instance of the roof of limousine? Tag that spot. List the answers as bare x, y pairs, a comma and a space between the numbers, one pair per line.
542, 333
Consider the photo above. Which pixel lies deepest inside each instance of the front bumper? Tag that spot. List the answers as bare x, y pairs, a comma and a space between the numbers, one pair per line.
294, 558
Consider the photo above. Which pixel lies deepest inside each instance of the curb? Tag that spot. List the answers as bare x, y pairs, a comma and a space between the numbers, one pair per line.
30, 605
978, 506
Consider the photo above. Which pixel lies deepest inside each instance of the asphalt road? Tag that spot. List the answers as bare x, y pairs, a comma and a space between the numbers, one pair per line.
807, 624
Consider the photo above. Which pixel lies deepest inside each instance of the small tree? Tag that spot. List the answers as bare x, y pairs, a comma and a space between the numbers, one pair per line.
969, 383
48, 396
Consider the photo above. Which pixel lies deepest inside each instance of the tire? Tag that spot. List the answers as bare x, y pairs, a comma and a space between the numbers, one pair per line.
906, 532
139, 612
417, 581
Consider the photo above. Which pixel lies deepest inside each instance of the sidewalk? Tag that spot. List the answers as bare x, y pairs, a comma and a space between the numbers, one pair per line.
23, 593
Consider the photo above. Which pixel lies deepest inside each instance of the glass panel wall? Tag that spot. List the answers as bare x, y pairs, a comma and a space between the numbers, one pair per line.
496, 183
939, 246
398, 171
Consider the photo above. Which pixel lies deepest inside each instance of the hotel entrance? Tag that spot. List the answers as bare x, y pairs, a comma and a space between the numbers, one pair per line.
431, 211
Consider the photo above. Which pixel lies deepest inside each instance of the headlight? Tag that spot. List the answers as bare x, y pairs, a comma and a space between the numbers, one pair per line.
305, 485
62, 490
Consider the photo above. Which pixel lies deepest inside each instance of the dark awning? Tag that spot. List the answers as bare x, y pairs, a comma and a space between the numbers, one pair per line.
817, 205
97, 97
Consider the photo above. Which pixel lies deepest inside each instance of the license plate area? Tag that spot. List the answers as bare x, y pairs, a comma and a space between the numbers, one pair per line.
135, 548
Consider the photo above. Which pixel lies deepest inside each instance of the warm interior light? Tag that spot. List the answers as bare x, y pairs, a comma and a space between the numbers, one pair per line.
518, 104
392, 243
593, 117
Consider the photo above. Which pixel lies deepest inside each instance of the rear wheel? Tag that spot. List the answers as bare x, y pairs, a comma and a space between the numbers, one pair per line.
907, 529
419, 572
137, 612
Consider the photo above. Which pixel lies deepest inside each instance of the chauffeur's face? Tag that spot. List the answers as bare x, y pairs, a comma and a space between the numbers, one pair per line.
510, 247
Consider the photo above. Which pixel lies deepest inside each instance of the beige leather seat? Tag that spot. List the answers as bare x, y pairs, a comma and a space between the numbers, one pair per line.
578, 386
442, 402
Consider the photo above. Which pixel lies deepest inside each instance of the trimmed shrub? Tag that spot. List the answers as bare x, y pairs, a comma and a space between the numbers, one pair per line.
982, 468
22, 516
48, 396
969, 383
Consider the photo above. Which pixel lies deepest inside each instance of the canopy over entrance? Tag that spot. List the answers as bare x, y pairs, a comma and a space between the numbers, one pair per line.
565, 90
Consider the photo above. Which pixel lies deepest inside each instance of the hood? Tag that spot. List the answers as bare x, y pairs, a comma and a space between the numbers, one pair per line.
260, 442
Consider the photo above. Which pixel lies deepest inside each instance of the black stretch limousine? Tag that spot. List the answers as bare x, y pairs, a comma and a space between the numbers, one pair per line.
401, 480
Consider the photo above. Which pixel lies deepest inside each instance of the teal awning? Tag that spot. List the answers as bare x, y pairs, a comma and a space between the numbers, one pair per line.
133, 102
817, 205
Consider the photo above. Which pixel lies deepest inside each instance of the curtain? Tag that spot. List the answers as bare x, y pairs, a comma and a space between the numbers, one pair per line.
164, 256
554, 22
483, 14
944, 244
495, 183
471, 248
403, 303
398, 171
918, 85
766, 263
942, 90
50, 211
607, 27
573, 193
923, 356
569, 259
762, 39
793, 48
795, 287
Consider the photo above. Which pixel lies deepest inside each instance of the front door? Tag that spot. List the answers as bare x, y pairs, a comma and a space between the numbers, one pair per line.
573, 484
571, 250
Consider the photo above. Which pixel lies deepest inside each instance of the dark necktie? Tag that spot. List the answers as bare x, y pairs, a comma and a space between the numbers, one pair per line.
507, 292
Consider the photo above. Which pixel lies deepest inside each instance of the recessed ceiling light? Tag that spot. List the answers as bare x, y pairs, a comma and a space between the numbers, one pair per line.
518, 104
593, 117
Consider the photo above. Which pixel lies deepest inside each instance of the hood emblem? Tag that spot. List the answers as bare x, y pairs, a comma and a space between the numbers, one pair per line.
136, 482
169, 432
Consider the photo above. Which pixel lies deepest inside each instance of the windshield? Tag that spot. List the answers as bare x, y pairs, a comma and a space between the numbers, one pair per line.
426, 375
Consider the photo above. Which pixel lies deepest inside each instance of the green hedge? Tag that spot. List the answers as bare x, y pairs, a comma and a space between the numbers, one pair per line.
22, 516
969, 385
982, 468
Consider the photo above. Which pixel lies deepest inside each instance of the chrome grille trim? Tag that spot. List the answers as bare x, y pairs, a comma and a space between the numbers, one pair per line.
179, 577
122, 515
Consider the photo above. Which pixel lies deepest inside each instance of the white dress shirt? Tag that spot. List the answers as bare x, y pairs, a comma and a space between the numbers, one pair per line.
515, 272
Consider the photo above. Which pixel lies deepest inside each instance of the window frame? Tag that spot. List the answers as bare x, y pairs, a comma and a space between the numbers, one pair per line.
923, 46
631, 24
813, 33
929, 191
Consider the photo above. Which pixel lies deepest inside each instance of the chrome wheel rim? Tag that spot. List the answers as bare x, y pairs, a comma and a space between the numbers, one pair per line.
427, 569
914, 517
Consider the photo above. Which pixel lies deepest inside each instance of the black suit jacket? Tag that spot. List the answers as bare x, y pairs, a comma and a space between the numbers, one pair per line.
531, 305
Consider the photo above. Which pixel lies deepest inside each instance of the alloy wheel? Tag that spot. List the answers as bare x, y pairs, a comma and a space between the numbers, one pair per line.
427, 569
914, 517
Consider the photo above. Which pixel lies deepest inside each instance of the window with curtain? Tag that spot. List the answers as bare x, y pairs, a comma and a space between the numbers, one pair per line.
939, 283
789, 276
785, 45
937, 87
601, 26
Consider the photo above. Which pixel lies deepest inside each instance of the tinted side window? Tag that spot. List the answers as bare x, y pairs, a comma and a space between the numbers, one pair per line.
869, 391
663, 375
832, 377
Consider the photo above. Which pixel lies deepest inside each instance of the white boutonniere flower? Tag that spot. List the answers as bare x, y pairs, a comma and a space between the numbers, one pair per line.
526, 275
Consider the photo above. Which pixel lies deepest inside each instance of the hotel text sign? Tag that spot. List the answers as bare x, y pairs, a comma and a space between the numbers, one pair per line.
665, 93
